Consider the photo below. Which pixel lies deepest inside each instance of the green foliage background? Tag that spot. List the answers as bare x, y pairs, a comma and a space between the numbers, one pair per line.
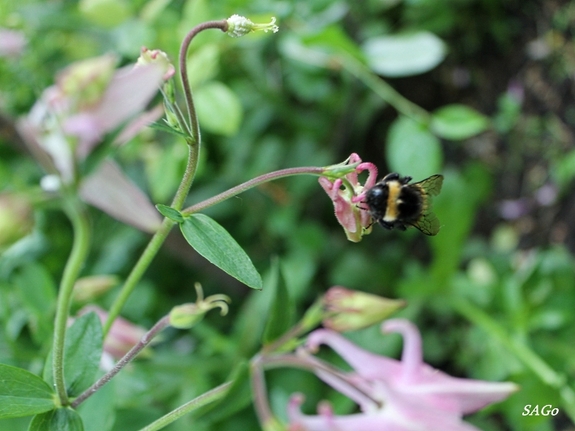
493, 297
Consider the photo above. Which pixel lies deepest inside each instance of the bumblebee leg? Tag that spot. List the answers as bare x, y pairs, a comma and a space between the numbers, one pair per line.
388, 226
405, 180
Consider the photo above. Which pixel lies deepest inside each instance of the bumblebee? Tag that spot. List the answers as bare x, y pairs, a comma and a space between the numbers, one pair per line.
395, 204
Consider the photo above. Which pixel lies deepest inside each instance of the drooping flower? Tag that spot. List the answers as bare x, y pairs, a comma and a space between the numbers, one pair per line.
405, 395
90, 101
346, 194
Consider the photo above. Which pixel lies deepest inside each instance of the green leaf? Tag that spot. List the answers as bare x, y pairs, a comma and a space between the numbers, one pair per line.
62, 419
171, 213
82, 353
163, 127
23, 393
458, 122
98, 412
38, 292
203, 64
219, 109
215, 244
281, 312
404, 55
412, 149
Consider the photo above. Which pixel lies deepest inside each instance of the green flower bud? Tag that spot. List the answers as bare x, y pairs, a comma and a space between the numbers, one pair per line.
187, 315
348, 310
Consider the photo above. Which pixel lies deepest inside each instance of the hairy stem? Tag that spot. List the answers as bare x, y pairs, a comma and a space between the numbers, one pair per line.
311, 170
128, 357
192, 117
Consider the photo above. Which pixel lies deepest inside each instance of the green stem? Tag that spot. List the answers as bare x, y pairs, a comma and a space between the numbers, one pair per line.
522, 351
137, 272
192, 117
311, 170
206, 398
73, 266
193, 157
384, 90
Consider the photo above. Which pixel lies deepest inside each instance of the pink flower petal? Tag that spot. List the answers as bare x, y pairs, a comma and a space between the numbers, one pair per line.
111, 191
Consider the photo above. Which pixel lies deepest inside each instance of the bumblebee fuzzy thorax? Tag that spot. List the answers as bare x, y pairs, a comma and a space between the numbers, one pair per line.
394, 203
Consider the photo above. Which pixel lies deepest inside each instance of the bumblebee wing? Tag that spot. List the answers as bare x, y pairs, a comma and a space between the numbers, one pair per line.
428, 224
432, 185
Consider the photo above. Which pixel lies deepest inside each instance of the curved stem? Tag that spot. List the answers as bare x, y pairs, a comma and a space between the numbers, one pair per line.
193, 156
311, 170
206, 398
73, 266
192, 117
128, 357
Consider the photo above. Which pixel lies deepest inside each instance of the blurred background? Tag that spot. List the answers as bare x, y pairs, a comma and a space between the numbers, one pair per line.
481, 91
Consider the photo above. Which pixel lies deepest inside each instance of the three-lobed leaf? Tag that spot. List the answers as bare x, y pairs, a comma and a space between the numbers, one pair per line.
215, 244
23, 393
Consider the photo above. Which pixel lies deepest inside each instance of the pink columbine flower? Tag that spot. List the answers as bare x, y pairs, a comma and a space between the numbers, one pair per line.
405, 395
92, 99
346, 193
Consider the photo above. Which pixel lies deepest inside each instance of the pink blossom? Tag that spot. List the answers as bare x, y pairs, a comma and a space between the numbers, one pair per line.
89, 100
110, 190
346, 193
405, 395
129, 91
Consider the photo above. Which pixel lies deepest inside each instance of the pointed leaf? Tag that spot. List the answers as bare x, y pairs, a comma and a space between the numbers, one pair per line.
23, 393
215, 244
62, 419
171, 213
82, 353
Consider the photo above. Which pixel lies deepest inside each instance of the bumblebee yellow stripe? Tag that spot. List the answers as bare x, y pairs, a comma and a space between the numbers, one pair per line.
391, 211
